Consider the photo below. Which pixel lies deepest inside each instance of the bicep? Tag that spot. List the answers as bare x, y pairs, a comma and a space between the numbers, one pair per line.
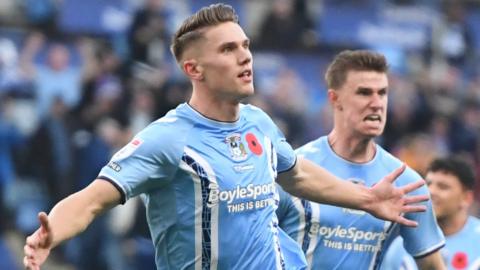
433, 261
100, 195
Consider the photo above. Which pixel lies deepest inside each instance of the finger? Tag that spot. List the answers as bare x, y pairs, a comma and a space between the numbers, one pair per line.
414, 208
412, 186
396, 173
26, 263
28, 251
407, 222
29, 264
32, 241
416, 199
43, 218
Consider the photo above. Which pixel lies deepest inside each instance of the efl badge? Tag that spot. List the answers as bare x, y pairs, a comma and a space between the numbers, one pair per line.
237, 149
127, 150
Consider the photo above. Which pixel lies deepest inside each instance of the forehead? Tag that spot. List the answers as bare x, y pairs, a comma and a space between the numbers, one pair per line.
224, 32
444, 177
371, 79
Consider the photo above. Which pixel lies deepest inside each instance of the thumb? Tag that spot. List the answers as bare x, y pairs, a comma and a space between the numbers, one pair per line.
44, 223
45, 230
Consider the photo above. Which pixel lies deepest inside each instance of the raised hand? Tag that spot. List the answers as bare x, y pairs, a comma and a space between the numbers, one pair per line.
38, 245
390, 202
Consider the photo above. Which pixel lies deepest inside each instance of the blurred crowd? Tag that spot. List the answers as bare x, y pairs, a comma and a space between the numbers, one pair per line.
71, 95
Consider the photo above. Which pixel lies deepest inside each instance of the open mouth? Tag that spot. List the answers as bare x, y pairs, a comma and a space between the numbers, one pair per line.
247, 74
373, 117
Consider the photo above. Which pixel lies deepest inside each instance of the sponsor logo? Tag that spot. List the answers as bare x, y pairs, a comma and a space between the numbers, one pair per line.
353, 233
251, 191
243, 168
114, 166
236, 147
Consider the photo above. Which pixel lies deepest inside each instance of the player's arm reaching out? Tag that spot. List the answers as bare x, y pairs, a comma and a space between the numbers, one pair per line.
384, 200
68, 218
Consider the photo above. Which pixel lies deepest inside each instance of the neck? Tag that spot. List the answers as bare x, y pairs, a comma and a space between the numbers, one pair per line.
452, 225
351, 148
215, 108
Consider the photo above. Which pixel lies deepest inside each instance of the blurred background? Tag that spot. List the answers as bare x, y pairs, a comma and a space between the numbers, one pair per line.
79, 78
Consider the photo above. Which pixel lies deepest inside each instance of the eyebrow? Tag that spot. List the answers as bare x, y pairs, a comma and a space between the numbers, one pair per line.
362, 88
233, 43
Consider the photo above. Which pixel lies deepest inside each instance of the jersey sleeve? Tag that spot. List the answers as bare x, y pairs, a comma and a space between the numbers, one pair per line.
427, 237
397, 257
286, 157
148, 161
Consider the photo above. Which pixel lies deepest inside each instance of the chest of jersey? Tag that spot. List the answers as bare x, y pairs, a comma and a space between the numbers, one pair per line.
236, 169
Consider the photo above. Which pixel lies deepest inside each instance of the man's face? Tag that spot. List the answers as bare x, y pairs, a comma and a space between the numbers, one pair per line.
361, 103
226, 61
448, 194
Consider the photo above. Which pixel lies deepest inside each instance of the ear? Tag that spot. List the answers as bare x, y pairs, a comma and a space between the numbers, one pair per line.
468, 198
333, 98
192, 69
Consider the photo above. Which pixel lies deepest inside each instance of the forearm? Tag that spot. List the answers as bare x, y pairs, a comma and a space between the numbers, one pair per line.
73, 214
314, 183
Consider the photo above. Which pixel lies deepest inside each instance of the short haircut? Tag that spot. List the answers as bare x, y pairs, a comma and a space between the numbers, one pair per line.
190, 30
457, 167
358, 60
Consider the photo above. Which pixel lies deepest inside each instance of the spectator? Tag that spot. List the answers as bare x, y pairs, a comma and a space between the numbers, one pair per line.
287, 26
149, 36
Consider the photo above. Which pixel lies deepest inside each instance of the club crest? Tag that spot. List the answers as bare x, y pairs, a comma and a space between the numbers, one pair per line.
236, 147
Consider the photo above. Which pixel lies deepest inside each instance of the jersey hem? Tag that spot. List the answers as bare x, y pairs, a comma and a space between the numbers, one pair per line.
291, 167
429, 252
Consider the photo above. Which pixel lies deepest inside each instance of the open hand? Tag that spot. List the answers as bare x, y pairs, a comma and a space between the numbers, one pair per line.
38, 245
390, 202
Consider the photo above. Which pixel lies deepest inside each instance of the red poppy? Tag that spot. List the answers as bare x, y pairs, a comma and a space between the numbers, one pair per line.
460, 260
253, 144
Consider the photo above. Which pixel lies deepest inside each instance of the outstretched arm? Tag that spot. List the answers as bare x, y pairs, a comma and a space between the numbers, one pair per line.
68, 218
384, 200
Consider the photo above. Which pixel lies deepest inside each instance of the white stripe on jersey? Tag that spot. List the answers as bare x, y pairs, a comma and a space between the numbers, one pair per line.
386, 229
475, 265
272, 165
271, 157
198, 213
314, 238
301, 220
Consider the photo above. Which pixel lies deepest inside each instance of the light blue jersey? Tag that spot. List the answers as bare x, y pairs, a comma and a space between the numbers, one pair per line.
461, 251
340, 238
209, 190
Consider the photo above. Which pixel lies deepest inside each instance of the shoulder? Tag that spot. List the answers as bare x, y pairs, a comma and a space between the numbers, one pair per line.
166, 134
391, 163
474, 225
260, 119
312, 147
252, 112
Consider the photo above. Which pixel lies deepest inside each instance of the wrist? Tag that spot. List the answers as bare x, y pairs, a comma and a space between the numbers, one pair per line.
367, 200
